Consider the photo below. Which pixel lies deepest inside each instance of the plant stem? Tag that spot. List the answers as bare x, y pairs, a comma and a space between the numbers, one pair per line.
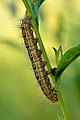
61, 101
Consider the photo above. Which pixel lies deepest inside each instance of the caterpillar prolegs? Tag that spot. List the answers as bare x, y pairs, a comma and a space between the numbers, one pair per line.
38, 64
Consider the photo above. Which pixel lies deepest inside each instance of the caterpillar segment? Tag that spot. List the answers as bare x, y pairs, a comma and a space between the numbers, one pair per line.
38, 64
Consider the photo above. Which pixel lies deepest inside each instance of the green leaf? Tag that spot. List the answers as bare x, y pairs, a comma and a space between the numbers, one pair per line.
32, 6
56, 55
37, 6
38, 3
67, 58
60, 52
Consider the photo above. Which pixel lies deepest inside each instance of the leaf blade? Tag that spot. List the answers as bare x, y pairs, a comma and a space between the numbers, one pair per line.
66, 60
56, 55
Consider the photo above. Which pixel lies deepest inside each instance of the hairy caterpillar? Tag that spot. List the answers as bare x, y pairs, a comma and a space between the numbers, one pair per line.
38, 64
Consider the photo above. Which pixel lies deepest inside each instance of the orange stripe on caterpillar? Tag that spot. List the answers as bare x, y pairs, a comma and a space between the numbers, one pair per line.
38, 64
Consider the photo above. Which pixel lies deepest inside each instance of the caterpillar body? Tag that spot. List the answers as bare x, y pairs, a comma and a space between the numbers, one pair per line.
38, 64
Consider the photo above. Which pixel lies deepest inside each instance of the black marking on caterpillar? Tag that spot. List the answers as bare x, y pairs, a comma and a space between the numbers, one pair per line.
38, 64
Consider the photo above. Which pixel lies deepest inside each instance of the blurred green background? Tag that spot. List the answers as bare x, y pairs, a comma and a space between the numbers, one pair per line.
20, 95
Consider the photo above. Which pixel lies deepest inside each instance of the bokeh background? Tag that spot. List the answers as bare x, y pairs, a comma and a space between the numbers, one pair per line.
20, 95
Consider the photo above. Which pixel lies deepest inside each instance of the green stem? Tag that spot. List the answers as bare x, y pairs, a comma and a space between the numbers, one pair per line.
61, 102
29, 10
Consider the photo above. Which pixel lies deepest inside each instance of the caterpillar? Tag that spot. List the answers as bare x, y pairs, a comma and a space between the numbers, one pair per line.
38, 64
